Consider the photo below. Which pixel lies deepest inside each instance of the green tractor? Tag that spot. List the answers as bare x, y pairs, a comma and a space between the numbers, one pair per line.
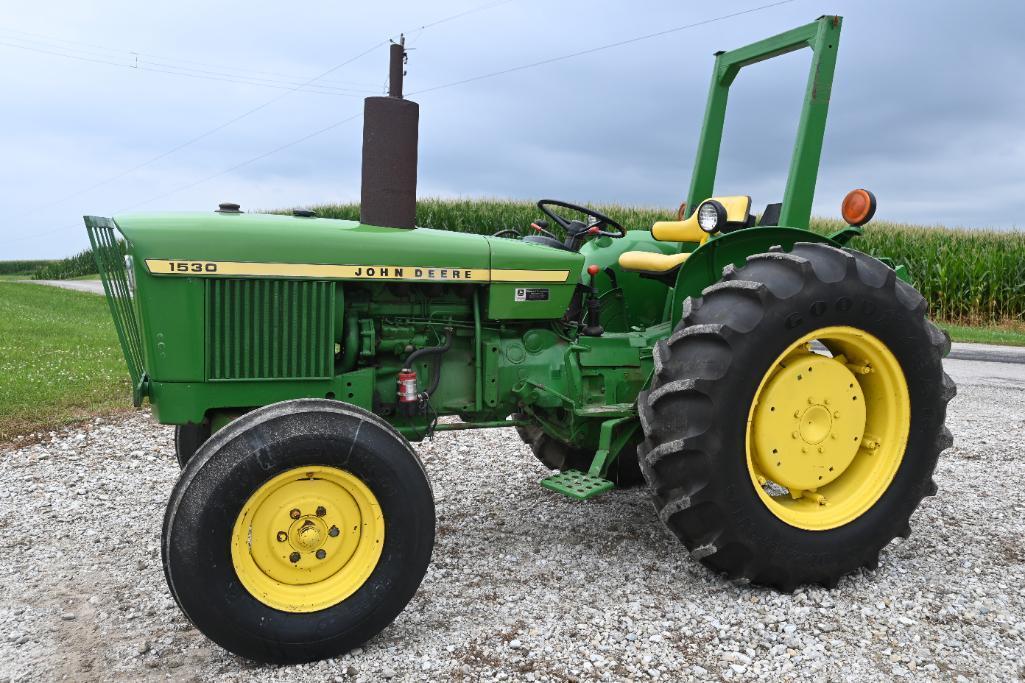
781, 395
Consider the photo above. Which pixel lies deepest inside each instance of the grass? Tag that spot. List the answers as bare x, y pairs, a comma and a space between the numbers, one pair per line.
1008, 334
59, 359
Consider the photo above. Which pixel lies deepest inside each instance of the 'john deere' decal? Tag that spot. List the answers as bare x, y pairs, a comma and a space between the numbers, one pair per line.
363, 272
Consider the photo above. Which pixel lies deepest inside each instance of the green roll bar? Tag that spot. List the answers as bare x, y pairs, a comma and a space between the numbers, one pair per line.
823, 37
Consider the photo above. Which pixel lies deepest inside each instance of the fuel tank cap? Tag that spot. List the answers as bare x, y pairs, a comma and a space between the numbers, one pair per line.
228, 207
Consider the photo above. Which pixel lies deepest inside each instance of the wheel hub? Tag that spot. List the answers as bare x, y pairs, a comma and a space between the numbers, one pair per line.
809, 422
307, 534
816, 423
830, 429
307, 539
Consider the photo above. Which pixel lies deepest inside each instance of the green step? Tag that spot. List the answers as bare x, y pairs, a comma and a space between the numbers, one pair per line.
577, 485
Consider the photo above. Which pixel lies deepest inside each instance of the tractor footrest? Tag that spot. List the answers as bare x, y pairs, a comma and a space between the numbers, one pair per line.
577, 485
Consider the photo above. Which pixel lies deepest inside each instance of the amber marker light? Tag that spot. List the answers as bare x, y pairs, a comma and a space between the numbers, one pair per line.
858, 207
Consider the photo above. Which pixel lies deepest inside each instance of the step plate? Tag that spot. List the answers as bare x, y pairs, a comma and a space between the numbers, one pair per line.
577, 485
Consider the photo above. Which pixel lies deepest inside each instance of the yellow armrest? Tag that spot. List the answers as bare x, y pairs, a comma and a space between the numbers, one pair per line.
686, 230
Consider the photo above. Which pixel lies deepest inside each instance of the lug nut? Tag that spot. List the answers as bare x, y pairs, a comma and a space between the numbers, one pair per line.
332, 532
321, 511
282, 537
295, 514
321, 554
294, 557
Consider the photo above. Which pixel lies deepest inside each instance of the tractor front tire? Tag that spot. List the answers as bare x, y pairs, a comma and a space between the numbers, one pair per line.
795, 416
298, 531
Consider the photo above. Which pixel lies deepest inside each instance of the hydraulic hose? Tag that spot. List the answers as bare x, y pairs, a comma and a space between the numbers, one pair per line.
436, 365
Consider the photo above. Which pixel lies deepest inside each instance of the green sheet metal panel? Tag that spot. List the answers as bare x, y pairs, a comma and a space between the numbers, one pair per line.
530, 281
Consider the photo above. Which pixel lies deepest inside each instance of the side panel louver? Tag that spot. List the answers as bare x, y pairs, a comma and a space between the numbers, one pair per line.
269, 329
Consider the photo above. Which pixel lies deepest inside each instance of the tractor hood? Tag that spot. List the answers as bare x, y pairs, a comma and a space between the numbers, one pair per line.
268, 245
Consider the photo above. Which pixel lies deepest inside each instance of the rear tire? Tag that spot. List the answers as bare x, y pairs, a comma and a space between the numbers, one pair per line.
227, 555
556, 455
708, 375
187, 440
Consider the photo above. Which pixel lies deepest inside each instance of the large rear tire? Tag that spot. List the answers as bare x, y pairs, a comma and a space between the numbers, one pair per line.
784, 461
187, 440
298, 531
556, 455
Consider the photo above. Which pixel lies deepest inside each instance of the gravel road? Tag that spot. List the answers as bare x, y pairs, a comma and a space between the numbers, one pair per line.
526, 585
91, 286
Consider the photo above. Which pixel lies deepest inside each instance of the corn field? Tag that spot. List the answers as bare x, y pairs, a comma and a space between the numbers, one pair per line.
80, 264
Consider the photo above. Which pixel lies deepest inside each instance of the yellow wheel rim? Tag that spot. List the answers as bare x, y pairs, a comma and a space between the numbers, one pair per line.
307, 539
826, 431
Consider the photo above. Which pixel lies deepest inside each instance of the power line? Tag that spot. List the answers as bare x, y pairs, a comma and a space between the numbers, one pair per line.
173, 70
478, 78
251, 160
103, 50
452, 84
599, 48
241, 116
193, 140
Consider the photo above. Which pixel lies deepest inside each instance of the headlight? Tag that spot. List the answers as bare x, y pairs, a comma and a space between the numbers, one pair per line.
711, 216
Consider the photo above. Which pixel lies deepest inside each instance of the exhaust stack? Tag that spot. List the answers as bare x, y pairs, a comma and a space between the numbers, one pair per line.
390, 133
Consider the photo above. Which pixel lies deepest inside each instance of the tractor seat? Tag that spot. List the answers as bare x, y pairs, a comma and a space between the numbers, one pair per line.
650, 262
664, 266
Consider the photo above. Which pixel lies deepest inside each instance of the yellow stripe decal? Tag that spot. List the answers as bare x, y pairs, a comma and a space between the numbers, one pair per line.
509, 275
361, 272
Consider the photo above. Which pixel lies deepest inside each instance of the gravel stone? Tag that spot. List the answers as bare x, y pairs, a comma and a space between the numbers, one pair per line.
526, 585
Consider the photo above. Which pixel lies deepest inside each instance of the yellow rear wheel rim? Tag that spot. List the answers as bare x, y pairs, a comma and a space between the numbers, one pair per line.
307, 539
826, 432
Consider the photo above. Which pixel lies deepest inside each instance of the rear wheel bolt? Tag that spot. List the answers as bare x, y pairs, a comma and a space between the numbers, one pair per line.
321, 511
282, 537
332, 532
321, 554
294, 557
295, 514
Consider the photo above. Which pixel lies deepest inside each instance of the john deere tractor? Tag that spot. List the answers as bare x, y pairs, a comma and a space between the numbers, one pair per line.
780, 394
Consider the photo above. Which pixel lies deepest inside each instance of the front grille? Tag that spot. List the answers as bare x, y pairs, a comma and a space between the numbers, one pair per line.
269, 329
109, 252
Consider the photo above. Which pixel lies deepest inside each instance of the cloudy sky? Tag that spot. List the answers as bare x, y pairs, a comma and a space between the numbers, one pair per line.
121, 105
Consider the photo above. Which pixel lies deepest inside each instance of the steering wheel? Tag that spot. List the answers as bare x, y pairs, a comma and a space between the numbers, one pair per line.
577, 229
